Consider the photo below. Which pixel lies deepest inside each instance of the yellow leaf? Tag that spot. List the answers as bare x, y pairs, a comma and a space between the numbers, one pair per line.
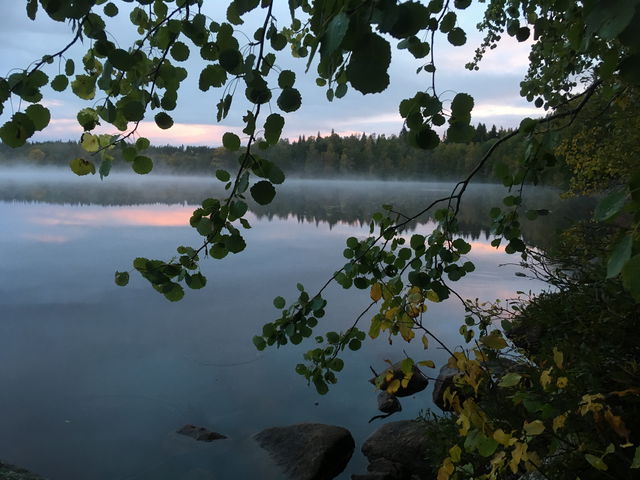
446, 469
545, 378
427, 363
376, 292
425, 341
464, 424
559, 422
519, 453
501, 437
391, 313
494, 341
562, 382
455, 453
558, 357
534, 428
432, 296
394, 386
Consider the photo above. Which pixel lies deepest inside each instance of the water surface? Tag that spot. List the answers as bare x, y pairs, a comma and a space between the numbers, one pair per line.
96, 378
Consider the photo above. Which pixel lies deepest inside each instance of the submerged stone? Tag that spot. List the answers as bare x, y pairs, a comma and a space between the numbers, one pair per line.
200, 434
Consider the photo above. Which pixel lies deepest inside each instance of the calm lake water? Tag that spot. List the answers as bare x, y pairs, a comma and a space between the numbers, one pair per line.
95, 379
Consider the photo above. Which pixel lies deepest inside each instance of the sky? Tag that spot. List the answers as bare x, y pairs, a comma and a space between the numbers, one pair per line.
495, 86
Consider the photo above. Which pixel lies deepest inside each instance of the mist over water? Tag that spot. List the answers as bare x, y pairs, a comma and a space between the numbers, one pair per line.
97, 378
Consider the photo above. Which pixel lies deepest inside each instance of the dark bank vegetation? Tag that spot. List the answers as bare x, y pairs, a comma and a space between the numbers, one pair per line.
329, 156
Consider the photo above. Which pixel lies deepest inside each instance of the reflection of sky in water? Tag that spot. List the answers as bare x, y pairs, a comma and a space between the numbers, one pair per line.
96, 377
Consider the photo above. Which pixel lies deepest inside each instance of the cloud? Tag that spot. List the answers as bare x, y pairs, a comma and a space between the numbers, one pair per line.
180, 133
488, 110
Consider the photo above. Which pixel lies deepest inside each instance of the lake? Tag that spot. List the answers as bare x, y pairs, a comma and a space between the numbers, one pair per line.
97, 378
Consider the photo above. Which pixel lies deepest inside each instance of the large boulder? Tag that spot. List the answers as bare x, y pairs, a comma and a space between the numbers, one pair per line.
446, 379
396, 452
308, 451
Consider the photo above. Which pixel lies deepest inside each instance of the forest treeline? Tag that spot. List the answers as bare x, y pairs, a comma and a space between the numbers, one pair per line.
369, 156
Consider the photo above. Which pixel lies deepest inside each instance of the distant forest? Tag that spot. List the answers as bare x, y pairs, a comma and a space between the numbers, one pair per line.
368, 156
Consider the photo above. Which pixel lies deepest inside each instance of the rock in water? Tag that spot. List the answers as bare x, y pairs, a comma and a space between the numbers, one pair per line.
308, 451
388, 403
201, 434
11, 472
417, 383
397, 450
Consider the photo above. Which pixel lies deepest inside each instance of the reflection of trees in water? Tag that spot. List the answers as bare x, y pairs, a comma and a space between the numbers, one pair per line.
331, 202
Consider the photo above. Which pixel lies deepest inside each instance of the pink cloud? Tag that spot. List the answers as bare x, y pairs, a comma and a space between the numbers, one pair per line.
179, 134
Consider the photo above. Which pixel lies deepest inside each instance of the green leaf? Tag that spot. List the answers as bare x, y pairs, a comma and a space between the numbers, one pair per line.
263, 192
334, 34
195, 281
59, 83
289, 100
133, 110
486, 445
231, 141
278, 41
279, 303
39, 115
620, 253
212, 76
80, 167
336, 364
367, 68
448, 22
596, 462
427, 139
110, 9
88, 119
223, 175
89, 143
122, 278
457, 37
462, 104
286, 79
32, 8
205, 226
142, 143
273, 128
631, 276
142, 164
121, 59
636, 459
610, 205
69, 67
510, 380
259, 342
173, 292
230, 60
460, 133
84, 87
179, 52
163, 120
